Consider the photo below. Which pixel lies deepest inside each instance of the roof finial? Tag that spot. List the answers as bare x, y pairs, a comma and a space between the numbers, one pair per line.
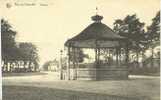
96, 10
97, 18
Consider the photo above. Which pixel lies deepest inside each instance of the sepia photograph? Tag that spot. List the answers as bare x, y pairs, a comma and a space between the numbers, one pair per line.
80, 49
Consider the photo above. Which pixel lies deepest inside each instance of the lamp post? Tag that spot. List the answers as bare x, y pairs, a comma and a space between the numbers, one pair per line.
61, 65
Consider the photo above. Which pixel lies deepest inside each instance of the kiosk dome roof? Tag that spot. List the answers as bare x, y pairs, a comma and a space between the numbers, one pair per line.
96, 31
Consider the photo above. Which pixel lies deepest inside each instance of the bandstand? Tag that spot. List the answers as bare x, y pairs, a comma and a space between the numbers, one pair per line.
103, 41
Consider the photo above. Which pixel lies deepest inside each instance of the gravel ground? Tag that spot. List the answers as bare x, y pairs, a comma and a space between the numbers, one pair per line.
142, 87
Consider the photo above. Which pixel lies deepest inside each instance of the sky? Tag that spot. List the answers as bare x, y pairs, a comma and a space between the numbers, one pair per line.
49, 23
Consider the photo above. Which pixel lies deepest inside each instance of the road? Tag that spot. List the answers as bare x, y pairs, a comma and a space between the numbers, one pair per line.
136, 86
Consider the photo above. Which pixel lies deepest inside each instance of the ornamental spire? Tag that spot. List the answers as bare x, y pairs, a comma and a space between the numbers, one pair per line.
96, 10
97, 18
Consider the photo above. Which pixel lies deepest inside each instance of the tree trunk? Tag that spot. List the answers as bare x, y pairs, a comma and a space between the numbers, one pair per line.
142, 55
5, 66
127, 54
18, 66
120, 56
24, 66
96, 57
152, 52
10, 66
35, 67
117, 57
137, 58
29, 66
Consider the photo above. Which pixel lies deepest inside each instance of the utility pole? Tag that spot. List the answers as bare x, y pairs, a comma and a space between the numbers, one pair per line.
61, 65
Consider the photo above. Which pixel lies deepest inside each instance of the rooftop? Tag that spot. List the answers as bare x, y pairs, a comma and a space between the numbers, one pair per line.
96, 31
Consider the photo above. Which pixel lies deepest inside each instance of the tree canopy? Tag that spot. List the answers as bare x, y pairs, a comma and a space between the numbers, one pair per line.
14, 51
8, 41
153, 33
132, 28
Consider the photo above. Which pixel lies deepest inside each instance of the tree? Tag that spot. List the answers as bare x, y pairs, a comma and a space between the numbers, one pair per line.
77, 55
8, 39
29, 52
8, 42
14, 52
153, 34
131, 28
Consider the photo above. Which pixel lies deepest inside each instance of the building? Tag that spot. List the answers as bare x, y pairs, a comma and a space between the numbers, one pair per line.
101, 39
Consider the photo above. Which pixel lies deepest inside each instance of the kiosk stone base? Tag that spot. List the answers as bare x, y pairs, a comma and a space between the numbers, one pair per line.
102, 73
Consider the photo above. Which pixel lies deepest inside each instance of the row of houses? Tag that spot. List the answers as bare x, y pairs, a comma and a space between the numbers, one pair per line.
19, 66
